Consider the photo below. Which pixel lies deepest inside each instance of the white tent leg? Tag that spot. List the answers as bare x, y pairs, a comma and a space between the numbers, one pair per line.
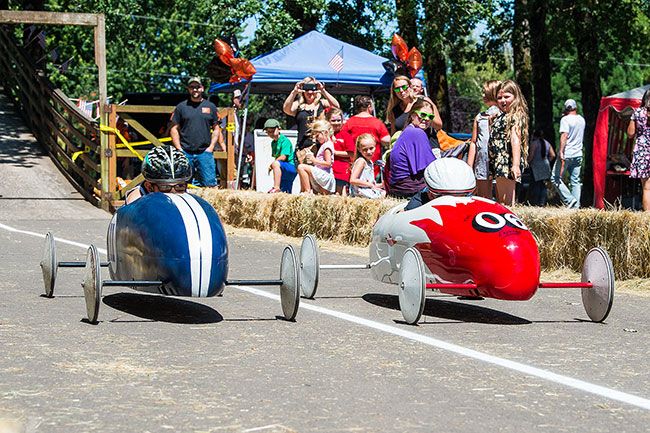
241, 140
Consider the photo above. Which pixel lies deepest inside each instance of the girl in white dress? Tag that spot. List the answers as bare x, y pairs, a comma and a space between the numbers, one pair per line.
362, 177
316, 173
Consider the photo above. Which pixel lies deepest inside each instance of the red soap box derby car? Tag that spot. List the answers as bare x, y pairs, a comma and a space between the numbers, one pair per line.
463, 246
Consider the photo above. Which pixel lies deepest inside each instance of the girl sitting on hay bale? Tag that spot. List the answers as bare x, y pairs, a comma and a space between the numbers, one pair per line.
362, 178
316, 174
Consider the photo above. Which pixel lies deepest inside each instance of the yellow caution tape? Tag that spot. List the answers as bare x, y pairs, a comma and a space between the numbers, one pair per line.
76, 154
143, 143
105, 128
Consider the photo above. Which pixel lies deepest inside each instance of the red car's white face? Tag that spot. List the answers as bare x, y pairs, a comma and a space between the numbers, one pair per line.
465, 239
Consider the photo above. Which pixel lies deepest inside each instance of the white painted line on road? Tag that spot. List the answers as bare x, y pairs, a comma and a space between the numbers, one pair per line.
506, 363
41, 235
591, 388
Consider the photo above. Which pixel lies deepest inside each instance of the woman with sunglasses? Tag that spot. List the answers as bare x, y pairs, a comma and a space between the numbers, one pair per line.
412, 152
400, 102
165, 169
307, 102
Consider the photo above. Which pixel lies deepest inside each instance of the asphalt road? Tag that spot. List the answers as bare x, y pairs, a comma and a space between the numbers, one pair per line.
347, 364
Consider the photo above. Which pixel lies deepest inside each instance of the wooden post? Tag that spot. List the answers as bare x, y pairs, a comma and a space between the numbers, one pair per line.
111, 161
108, 154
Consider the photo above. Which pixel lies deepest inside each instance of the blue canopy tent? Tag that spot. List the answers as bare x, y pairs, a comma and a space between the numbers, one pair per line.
310, 55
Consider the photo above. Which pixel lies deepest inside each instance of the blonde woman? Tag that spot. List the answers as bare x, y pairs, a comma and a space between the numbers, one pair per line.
316, 173
400, 102
508, 143
307, 102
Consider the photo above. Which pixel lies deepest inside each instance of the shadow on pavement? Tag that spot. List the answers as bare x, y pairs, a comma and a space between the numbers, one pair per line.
451, 310
162, 309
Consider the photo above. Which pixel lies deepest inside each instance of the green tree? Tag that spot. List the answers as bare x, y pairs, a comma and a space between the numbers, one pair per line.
407, 12
541, 69
152, 45
360, 23
275, 28
446, 39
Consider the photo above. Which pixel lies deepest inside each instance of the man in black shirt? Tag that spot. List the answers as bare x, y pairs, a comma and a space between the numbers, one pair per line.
192, 120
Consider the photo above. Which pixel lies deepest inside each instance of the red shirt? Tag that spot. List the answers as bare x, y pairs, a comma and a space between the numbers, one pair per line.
341, 166
355, 126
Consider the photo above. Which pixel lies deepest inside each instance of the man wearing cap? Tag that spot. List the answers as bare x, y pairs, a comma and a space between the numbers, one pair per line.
572, 130
283, 165
192, 120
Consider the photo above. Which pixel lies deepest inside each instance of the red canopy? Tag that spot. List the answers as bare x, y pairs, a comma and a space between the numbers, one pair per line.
619, 101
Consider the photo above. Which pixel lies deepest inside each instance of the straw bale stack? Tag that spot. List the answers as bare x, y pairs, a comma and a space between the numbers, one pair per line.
564, 236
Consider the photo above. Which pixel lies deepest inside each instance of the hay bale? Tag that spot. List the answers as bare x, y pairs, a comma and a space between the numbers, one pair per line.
564, 236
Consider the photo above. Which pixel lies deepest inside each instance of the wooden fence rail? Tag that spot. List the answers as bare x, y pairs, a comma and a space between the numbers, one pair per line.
73, 139
54, 120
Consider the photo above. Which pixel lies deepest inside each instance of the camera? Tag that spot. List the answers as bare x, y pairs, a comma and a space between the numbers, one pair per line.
309, 86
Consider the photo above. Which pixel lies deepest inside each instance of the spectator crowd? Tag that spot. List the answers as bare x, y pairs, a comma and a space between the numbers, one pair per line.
364, 156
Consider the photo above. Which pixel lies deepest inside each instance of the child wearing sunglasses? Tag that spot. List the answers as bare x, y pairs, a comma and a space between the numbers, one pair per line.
412, 153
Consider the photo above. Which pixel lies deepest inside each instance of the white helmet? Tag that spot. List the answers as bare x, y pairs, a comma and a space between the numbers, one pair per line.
450, 176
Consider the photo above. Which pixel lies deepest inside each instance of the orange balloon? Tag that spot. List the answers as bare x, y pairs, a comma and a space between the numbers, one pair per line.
222, 48
399, 48
414, 61
224, 51
242, 68
225, 59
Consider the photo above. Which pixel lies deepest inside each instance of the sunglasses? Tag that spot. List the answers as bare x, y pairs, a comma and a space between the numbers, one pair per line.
425, 116
179, 187
401, 88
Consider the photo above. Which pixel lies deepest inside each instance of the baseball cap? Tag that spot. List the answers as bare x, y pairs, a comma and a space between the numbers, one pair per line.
570, 104
271, 123
194, 80
450, 176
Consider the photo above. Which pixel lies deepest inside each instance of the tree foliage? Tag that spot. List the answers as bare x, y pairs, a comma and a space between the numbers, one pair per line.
154, 44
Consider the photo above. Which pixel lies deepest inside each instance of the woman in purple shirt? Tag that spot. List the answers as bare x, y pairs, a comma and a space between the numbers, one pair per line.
411, 153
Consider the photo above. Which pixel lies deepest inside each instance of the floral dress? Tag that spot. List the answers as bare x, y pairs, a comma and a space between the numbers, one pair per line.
500, 149
640, 167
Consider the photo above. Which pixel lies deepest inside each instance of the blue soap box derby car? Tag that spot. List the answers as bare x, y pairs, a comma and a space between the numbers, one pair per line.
169, 244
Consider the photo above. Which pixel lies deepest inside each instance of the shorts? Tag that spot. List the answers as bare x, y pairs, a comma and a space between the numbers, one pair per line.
288, 175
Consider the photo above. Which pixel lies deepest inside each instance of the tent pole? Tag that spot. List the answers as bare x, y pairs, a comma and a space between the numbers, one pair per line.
241, 140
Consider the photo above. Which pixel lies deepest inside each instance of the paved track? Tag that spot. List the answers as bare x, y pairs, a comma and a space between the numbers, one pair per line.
347, 364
